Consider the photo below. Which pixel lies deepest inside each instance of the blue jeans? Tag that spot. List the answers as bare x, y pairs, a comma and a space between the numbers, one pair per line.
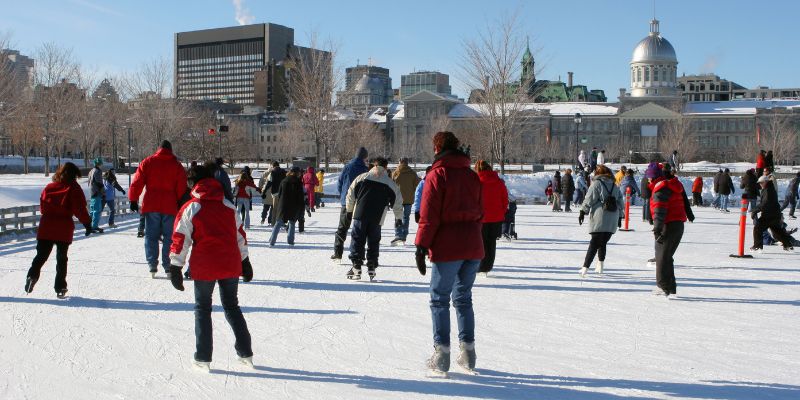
723, 202
277, 228
157, 225
228, 293
402, 232
141, 222
111, 211
96, 209
715, 202
453, 278
243, 207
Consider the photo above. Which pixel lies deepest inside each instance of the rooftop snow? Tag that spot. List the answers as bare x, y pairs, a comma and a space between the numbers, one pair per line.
474, 110
747, 107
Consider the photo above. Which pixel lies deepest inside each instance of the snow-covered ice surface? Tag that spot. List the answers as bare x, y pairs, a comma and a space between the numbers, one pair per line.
542, 332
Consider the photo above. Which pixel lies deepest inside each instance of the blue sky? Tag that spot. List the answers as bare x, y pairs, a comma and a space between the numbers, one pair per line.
749, 42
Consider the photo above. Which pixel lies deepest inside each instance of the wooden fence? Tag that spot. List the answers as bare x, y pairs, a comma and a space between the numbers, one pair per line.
25, 219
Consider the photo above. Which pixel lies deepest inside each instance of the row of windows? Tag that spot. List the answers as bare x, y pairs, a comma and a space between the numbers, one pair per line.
246, 57
215, 80
221, 66
722, 125
223, 72
659, 74
587, 125
221, 52
218, 85
215, 93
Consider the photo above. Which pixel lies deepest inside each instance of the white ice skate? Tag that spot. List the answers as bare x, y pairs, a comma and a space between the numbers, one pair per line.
598, 268
583, 272
398, 243
483, 274
246, 362
660, 292
201, 366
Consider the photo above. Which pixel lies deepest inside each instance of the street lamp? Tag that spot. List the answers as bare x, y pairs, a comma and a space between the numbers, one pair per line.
577, 124
46, 156
130, 146
220, 117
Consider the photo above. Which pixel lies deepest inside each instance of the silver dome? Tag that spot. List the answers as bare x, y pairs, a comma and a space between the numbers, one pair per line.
367, 84
654, 48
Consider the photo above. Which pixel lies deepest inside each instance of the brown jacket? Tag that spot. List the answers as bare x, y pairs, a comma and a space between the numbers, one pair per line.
407, 180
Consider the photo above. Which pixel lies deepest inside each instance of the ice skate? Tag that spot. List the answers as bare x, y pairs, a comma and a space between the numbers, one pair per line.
354, 273
583, 272
140, 234
398, 242
201, 366
371, 272
246, 362
30, 282
788, 248
483, 274
598, 268
336, 259
439, 363
466, 357
660, 292
61, 294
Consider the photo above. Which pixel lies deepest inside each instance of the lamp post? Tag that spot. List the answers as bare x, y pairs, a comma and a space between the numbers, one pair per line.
220, 117
114, 146
129, 156
46, 156
577, 124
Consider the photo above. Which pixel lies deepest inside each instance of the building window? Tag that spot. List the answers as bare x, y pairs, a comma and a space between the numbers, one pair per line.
638, 74
646, 74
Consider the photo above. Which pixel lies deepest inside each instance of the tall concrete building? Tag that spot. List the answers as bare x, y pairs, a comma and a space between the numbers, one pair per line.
432, 81
222, 63
366, 88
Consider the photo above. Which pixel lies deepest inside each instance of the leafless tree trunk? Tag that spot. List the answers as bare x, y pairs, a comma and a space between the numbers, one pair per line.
677, 135
779, 134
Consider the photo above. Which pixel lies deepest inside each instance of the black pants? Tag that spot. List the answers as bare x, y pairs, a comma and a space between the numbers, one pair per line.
341, 232
665, 267
511, 216
790, 200
567, 200
697, 198
490, 231
228, 293
774, 225
266, 211
597, 246
646, 210
369, 234
43, 250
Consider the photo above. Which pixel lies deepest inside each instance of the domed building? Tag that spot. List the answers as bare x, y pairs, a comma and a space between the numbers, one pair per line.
654, 66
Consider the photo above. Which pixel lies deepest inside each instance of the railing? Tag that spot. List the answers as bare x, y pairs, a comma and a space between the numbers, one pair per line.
25, 219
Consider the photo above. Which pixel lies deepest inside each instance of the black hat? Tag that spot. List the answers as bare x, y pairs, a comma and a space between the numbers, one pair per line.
166, 145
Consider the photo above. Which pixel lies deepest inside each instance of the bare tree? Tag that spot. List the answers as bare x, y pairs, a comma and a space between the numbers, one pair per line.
312, 82
25, 132
779, 133
677, 136
13, 86
491, 65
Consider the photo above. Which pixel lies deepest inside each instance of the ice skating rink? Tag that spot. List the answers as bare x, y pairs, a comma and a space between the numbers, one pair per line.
542, 332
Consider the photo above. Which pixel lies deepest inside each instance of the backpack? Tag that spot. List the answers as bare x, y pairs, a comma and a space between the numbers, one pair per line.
610, 202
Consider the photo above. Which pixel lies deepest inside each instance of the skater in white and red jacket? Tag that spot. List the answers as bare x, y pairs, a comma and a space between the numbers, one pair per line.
211, 227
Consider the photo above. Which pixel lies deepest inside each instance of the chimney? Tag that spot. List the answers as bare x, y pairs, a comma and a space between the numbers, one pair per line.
621, 92
569, 80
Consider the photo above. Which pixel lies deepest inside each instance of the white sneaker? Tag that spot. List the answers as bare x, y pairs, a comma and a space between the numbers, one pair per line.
598, 268
398, 243
246, 361
583, 272
202, 366
483, 274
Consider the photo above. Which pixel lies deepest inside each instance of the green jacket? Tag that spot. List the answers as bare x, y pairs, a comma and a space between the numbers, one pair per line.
407, 180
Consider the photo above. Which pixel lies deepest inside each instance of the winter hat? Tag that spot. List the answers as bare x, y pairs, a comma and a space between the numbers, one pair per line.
295, 170
667, 169
166, 145
98, 161
653, 171
362, 153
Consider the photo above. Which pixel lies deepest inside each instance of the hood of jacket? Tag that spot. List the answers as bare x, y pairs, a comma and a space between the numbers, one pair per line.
488, 176
208, 189
451, 159
310, 170
403, 169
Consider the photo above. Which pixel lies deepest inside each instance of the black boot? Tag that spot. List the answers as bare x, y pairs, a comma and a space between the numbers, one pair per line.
30, 282
354, 273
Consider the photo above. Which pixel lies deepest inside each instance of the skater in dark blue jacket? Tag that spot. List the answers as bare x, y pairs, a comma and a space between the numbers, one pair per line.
354, 168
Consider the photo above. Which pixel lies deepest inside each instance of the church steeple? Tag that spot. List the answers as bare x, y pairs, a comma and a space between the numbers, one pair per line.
528, 73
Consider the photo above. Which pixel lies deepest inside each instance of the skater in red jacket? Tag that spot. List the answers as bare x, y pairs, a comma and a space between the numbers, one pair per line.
210, 226
60, 200
495, 205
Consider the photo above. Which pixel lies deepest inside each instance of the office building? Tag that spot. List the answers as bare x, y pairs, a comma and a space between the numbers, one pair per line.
432, 81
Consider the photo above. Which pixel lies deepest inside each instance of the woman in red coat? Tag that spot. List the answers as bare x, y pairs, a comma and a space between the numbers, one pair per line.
60, 200
495, 204
697, 192
310, 183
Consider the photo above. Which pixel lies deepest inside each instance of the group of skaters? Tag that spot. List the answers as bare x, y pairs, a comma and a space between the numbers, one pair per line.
199, 220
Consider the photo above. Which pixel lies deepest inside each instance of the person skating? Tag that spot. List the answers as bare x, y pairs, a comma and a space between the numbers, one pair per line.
222, 177
407, 180
319, 190
310, 183
495, 204
582, 165
244, 189
289, 206
601, 157
697, 192
557, 190
770, 216
604, 204
367, 200
670, 209
271, 188
726, 189
717, 195
629, 182
620, 175
761, 163
354, 168
508, 230
59, 202
567, 189
162, 179
450, 235
548, 192
97, 192
418, 195
749, 186
769, 161
673, 161
209, 225
580, 187
110, 187
652, 173
792, 195
592, 161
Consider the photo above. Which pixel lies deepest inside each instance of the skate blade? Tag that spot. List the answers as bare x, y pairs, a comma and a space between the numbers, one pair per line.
201, 366
354, 277
153, 275
62, 295
436, 374
468, 371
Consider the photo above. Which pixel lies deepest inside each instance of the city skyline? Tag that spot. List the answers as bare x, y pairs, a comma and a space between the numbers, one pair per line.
112, 37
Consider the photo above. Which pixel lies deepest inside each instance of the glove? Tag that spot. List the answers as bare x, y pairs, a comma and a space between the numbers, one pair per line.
247, 270
420, 256
581, 216
135, 206
176, 277
88, 229
123, 192
398, 223
416, 217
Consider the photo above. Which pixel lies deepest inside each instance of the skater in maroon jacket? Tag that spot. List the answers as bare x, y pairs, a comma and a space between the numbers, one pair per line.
60, 200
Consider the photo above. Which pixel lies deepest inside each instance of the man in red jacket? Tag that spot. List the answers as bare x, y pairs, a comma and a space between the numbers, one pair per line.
450, 234
163, 181
670, 208
211, 227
